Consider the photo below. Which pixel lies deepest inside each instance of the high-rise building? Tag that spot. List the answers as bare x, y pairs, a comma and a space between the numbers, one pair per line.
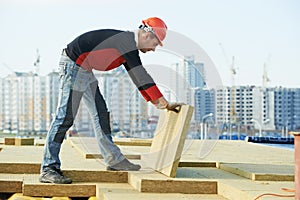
204, 103
40, 111
263, 108
128, 109
10, 111
222, 103
296, 105
195, 73
18, 102
52, 91
249, 104
2, 116
26, 98
287, 108
189, 87
28, 103
189, 74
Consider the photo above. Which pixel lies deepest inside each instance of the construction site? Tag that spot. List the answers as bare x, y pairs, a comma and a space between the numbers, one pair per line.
172, 168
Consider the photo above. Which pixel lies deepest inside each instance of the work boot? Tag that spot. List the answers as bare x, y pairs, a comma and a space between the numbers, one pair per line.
124, 165
50, 175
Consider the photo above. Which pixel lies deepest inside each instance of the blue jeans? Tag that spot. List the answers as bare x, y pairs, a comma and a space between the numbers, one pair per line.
75, 84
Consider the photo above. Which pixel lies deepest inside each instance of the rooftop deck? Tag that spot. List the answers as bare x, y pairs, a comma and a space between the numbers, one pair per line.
207, 170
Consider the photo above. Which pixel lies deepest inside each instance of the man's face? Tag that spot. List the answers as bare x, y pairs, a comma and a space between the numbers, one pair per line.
148, 42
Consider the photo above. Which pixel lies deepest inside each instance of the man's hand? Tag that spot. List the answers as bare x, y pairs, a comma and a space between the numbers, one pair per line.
174, 106
162, 103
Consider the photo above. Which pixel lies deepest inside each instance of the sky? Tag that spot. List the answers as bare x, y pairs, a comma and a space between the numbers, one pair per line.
255, 32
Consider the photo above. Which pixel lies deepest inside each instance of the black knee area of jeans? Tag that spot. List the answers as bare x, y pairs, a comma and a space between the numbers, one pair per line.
102, 111
72, 108
60, 135
104, 119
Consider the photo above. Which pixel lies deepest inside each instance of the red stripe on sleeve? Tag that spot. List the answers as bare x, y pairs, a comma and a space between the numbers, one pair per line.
145, 95
152, 93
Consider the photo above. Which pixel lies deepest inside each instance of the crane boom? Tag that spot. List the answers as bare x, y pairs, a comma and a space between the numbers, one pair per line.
37, 62
233, 72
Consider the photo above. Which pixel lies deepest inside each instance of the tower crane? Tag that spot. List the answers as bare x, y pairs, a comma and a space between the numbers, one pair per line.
265, 93
233, 71
37, 62
265, 78
232, 92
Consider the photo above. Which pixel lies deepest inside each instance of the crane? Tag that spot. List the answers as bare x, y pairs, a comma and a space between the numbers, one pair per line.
233, 72
265, 92
37, 62
232, 92
265, 78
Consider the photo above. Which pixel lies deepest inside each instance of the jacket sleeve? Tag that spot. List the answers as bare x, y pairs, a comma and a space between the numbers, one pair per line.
144, 82
137, 72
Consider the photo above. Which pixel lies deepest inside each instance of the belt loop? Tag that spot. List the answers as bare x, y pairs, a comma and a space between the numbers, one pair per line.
64, 52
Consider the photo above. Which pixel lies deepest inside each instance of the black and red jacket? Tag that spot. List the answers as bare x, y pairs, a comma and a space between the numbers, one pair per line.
107, 49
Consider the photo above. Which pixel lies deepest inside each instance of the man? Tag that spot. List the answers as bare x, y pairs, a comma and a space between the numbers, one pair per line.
101, 50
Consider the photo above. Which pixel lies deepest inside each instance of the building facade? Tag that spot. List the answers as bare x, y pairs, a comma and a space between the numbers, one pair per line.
28, 103
204, 103
287, 108
245, 106
128, 109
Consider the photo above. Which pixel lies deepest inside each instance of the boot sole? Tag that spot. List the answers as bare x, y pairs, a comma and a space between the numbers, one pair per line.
47, 181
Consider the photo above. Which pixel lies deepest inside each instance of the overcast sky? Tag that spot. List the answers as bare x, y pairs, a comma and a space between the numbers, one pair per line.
253, 31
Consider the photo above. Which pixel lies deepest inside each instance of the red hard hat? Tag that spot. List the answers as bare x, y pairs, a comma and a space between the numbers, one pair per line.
159, 27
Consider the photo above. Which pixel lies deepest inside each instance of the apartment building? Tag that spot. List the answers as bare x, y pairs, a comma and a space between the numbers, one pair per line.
204, 103
244, 105
128, 109
2, 116
287, 108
